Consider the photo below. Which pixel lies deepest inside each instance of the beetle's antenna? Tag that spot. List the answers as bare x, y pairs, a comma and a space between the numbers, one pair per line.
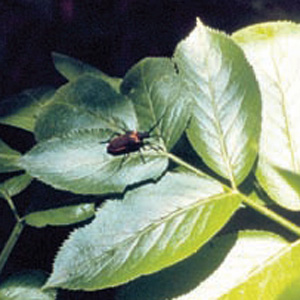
157, 122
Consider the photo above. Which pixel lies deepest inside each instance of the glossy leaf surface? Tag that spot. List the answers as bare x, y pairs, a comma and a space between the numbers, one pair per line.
26, 285
154, 226
79, 163
246, 265
88, 102
225, 126
160, 98
61, 215
271, 49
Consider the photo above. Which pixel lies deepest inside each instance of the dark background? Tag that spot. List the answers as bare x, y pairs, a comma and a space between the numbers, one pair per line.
111, 35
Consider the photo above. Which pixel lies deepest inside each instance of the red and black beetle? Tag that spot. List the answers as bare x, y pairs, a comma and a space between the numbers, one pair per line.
131, 141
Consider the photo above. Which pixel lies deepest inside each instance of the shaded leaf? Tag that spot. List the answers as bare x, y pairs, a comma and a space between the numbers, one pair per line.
223, 265
88, 102
160, 98
79, 163
225, 126
26, 285
154, 226
270, 48
61, 215
21, 110
8, 158
72, 68
15, 185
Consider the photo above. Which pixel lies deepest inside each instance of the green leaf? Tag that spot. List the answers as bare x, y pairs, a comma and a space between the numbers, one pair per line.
291, 178
79, 163
160, 98
270, 48
234, 266
8, 158
61, 215
21, 110
72, 68
153, 227
225, 126
15, 185
26, 285
88, 102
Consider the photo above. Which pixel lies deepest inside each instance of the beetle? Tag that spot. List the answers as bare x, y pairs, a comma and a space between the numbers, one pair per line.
130, 141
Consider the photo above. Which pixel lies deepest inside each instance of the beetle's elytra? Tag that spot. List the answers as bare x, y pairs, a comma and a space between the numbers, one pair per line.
131, 141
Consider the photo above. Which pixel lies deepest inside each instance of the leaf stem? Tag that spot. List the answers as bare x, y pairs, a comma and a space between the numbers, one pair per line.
12, 206
271, 215
180, 162
259, 208
14, 236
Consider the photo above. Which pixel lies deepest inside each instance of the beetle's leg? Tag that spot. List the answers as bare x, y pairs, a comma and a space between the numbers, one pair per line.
108, 140
125, 156
142, 156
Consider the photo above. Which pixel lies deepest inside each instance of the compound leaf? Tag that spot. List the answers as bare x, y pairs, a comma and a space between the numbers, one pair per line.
21, 110
26, 285
270, 48
234, 266
72, 68
61, 215
160, 98
79, 163
154, 226
87, 102
225, 126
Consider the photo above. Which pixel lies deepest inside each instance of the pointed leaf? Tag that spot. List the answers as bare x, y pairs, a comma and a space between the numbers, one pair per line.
72, 68
15, 185
26, 285
153, 227
21, 110
8, 158
61, 215
221, 270
270, 48
157, 91
88, 102
225, 126
80, 163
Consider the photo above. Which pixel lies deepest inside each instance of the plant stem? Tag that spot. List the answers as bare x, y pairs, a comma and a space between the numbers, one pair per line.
10, 243
180, 162
12, 207
260, 208
271, 215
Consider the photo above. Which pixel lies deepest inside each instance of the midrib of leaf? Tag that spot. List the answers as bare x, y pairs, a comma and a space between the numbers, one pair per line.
220, 132
149, 98
285, 116
140, 233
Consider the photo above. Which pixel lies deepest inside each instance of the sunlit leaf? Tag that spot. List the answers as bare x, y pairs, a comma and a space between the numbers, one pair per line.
72, 68
88, 102
79, 163
160, 98
247, 265
22, 109
8, 158
26, 285
153, 227
271, 49
225, 126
